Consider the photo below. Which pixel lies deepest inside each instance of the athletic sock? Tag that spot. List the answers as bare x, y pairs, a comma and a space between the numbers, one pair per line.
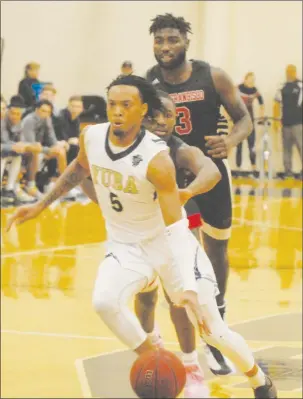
190, 358
258, 378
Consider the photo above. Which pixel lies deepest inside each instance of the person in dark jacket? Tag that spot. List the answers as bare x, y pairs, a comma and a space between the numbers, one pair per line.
69, 122
26, 85
288, 104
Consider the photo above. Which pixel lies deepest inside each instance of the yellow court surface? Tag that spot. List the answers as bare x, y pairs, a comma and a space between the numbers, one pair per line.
55, 346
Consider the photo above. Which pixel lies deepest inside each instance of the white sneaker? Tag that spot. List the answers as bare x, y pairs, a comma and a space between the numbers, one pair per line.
71, 195
24, 197
33, 192
195, 386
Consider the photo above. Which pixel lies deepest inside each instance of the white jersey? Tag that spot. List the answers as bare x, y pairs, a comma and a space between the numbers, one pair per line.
128, 201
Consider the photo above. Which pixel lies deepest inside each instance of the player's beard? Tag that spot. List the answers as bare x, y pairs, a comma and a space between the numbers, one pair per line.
119, 133
174, 63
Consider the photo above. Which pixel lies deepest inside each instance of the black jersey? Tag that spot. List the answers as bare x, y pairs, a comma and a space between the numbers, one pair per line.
197, 102
291, 97
248, 95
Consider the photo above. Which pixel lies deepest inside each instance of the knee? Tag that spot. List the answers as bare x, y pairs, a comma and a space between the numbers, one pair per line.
148, 299
105, 303
218, 335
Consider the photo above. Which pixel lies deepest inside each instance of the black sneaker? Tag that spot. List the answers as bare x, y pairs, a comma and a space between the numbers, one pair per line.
267, 391
217, 363
8, 197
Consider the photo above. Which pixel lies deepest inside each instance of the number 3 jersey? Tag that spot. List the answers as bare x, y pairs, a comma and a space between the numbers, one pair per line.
128, 201
197, 103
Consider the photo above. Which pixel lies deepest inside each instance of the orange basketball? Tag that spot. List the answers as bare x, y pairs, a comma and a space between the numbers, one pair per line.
158, 374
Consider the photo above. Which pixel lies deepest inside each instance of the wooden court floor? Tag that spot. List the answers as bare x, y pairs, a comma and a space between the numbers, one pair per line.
53, 344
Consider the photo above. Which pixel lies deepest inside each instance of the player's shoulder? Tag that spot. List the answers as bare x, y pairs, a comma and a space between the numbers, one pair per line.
153, 74
152, 140
199, 64
174, 143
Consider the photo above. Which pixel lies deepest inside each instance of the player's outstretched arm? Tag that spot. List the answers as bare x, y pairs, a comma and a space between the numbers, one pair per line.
219, 146
88, 188
71, 177
206, 172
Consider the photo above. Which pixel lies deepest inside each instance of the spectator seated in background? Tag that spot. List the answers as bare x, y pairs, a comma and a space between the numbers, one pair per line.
13, 151
25, 89
69, 122
94, 110
48, 93
37, 128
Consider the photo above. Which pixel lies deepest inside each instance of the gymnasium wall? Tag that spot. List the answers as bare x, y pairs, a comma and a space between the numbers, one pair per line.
81, 45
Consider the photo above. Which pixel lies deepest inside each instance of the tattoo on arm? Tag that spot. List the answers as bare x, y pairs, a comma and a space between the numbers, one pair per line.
72, 176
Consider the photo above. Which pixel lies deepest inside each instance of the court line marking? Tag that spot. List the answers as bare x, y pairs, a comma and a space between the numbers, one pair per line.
262, 224
240, 222
50, 249
105, 338
83, 380
239, 204
86, 392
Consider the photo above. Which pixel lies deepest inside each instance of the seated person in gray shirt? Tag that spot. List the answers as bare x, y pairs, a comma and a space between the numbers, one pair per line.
37, 128
13, 150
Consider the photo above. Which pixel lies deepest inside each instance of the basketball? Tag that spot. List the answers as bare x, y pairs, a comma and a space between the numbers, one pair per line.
158, 374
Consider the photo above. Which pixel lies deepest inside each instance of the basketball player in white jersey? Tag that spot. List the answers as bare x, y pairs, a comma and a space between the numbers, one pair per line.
207, 176
148, 236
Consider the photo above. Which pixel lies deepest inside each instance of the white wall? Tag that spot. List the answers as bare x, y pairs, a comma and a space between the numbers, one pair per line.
50, 33
81, 45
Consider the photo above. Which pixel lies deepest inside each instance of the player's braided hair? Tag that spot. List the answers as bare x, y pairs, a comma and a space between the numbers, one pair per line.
169, 21
147, 91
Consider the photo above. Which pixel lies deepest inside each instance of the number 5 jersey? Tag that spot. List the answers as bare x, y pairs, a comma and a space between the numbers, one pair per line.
128, 201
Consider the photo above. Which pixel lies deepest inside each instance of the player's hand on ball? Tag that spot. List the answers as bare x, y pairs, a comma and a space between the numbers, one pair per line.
184, 195
189, 299
23, 214
219, 146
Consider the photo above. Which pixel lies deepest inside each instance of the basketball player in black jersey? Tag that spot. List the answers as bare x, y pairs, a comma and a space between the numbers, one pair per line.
199, 90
